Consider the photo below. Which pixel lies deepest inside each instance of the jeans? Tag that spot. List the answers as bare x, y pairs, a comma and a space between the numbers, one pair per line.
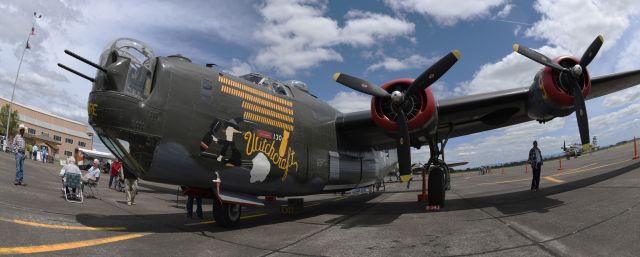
19, 166
111, 178
535, 183
198, 206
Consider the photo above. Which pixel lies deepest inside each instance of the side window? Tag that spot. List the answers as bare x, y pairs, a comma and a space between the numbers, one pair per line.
283, 90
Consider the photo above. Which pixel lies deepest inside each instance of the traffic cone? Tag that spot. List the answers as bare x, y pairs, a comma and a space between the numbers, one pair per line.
635, 150
560, 160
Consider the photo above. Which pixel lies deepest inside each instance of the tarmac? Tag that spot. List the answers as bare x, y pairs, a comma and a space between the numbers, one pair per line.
590, 208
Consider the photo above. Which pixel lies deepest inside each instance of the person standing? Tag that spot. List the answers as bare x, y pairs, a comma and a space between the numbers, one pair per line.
18, 148
191, 194
115, 168
44, 154
131, 186
535, 159
34, 152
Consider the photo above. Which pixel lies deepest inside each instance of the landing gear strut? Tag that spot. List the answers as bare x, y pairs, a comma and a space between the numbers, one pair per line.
439, 177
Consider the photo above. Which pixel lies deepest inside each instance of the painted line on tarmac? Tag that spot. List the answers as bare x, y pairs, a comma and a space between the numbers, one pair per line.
340, 198
581, 169
593, 168
213, 221
52, 226
504, 182
554, 180
312, 204
67, 246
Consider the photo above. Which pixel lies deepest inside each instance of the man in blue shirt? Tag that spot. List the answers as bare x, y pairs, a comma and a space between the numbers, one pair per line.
535, 159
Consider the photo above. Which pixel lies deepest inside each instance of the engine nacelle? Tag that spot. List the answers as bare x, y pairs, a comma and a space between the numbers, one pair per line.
420, 109
550, 94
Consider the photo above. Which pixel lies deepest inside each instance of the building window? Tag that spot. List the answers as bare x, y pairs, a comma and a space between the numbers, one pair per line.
31, 131
82, 144
67, 153
68, 140
44, 134
57, 138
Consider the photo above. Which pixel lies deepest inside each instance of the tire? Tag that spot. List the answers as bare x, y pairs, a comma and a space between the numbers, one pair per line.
436, 189
227, 215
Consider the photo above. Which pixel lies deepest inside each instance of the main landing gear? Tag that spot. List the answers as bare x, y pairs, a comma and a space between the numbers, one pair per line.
439, 175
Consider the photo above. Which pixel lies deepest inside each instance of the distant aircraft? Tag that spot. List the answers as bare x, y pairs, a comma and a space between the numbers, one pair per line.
572, 150
173, 121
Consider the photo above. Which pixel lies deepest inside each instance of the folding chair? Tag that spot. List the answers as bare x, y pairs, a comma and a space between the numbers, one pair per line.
72, 180
93, 187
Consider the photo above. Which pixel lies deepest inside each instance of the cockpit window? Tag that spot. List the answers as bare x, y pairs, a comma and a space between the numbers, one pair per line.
268, 83
139, 76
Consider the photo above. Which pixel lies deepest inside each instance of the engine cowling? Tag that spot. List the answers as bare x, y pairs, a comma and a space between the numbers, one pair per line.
420, 109
550, 93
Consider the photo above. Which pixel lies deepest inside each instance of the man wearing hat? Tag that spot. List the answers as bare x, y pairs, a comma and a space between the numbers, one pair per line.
18, 148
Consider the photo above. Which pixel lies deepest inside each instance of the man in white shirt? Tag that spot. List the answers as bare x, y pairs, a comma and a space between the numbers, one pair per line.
94, 172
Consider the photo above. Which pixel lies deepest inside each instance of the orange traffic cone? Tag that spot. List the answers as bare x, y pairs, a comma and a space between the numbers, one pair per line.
635, 150
560, 168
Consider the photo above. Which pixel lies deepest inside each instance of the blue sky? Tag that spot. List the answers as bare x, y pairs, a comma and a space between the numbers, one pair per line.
309, 40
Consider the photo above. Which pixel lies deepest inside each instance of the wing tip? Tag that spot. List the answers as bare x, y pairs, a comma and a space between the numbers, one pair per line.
516, 47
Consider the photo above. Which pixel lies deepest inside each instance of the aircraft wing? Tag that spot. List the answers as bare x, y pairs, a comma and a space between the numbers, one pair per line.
472, 114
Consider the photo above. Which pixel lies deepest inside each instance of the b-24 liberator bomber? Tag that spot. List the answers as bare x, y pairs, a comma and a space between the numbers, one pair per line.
239, 137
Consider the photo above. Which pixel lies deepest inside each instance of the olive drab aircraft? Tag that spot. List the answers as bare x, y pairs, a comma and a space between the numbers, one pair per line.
239, 137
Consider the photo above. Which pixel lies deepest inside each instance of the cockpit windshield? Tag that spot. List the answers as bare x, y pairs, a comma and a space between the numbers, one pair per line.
142, 62
269, 83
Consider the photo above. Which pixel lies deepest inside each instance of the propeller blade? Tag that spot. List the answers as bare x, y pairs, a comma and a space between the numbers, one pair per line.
591, 52
537, 57
403, 147
581, 116
433, 73
360, 85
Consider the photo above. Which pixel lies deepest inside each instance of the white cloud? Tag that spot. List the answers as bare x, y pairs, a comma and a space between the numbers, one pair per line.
448, 12
573, 24
239, 68
393, 64
347, 102
509, 144
298, 36
505, 11
512, 71
626, 60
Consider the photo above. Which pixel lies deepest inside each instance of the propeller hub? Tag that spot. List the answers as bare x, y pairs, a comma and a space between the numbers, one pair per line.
397, 97
576, 71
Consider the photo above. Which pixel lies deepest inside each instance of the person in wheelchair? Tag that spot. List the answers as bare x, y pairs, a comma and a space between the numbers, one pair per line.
68, 171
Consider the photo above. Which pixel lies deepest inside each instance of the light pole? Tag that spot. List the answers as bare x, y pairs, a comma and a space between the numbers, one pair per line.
27, 46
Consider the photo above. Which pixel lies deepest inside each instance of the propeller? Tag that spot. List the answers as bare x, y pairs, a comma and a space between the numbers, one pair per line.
570, 74
398, 99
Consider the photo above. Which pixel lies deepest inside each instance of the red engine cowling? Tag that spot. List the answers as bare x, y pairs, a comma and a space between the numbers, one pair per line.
550, 95
420, 109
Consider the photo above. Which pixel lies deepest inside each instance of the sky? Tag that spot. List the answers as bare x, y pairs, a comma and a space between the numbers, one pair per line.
309, 40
